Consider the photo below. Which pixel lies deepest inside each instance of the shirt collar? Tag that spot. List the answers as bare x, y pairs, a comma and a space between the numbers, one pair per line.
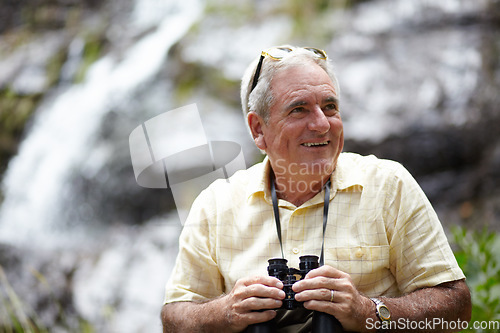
345, 177
261, 184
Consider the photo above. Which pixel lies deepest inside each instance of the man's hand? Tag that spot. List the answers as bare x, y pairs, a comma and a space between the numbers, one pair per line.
449, 301
229, 313
348, 306
246, 304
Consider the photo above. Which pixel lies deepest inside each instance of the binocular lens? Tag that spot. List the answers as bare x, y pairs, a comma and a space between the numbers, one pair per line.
277, 267
308, 263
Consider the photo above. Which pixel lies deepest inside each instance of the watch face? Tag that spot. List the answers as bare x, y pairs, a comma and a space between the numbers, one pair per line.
384, 312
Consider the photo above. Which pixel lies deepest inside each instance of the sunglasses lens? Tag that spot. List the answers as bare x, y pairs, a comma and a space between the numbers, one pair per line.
317, 52
278, 52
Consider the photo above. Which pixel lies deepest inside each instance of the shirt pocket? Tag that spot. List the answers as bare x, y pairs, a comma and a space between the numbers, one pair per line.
368, 266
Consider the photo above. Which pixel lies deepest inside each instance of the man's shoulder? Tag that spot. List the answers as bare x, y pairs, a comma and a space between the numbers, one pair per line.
241, 183
370, 167
355, 160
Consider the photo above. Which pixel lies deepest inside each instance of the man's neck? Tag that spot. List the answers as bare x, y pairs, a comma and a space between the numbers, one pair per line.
298, 190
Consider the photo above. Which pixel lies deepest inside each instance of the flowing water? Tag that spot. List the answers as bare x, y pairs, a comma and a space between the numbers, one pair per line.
131, 268
61, 137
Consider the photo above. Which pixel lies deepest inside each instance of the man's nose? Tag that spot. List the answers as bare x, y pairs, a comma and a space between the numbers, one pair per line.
318, 121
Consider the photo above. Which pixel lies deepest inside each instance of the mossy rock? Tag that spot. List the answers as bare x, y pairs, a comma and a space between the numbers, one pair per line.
15, 111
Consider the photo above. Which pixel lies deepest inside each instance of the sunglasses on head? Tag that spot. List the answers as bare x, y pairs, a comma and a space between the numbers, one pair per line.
278, 53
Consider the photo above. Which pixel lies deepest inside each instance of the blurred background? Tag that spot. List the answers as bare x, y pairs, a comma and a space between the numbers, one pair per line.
84, 248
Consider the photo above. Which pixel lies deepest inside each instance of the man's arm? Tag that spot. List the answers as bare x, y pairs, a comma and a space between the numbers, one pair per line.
448, 301
193, 316
229, 313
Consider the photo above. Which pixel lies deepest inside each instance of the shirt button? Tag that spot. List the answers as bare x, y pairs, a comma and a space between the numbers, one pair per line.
359, 253
295, 250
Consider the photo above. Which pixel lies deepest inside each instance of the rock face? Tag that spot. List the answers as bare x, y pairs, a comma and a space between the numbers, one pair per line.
41, 14
419, 85
456, 167
437, 78
36, 42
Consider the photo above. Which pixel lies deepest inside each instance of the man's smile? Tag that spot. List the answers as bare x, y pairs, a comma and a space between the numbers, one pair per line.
315, 144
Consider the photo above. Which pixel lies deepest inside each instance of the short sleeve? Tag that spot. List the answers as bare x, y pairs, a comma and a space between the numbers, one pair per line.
419, 250
196, 274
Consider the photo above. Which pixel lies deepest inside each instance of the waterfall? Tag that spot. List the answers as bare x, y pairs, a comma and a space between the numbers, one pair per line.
36, 181
128, 271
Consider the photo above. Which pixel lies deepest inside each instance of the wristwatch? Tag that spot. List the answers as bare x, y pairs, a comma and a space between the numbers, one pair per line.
383, 314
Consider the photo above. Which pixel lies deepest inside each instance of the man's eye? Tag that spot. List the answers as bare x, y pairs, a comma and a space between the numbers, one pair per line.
298, 110
330, 109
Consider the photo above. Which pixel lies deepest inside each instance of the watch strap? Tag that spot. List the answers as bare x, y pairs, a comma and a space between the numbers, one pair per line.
383, 314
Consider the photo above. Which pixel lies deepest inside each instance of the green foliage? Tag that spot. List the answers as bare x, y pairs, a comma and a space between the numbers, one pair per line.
16, 316
478, 254
15, 110
313, 19
92, 51
54, 67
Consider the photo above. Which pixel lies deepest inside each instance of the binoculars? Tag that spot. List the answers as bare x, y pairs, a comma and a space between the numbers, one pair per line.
321, 322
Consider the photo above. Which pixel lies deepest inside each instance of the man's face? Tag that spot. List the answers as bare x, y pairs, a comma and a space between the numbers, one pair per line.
304, 133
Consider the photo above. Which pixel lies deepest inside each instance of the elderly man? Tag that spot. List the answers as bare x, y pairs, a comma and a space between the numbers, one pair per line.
386, 257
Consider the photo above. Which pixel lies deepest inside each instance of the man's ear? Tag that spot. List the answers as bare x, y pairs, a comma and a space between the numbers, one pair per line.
256, 124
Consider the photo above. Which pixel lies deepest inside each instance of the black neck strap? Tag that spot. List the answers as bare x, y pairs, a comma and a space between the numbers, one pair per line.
326, 204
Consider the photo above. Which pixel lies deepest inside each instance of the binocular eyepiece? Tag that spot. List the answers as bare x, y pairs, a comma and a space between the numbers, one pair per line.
279, 269
321, 322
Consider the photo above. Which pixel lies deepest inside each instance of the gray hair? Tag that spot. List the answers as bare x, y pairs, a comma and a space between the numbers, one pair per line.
261, 98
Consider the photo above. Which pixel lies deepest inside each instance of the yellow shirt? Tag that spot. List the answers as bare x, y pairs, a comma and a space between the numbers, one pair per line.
381, 230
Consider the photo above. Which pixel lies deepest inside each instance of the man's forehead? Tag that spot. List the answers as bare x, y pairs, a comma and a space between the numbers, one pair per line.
299, 93
302, 77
